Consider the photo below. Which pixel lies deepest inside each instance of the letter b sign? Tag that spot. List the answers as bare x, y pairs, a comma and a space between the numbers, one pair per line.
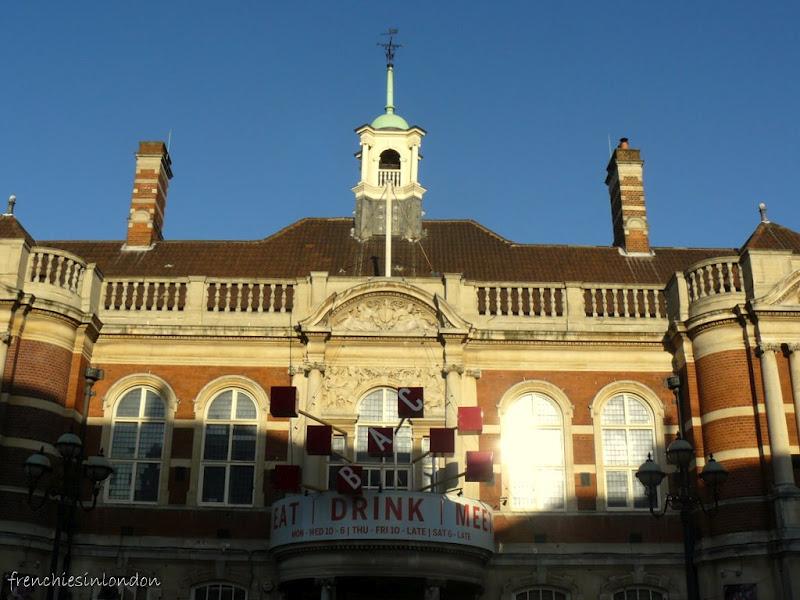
410, 404
349, 479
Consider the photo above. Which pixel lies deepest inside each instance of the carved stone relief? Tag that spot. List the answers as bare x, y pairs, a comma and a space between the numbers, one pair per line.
385, 313
343, 385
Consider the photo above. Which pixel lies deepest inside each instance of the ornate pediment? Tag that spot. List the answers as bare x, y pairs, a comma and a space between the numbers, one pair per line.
785, 293
384, 308
384, 313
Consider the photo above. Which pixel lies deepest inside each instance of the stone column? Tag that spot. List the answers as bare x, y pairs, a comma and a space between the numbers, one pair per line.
776, 417
327, 589
452, 400
5, 341
364, 161
433, 589
794, 368
314, 465
452, 393
470, 442
414, 163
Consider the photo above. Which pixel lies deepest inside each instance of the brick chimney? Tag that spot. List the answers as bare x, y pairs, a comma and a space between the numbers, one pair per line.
626, 189
149, 198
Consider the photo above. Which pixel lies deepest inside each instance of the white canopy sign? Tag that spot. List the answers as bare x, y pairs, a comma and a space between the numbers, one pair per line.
394, 515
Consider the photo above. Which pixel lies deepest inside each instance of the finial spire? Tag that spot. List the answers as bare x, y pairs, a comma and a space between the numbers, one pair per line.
12, 200
389, 48
762, 208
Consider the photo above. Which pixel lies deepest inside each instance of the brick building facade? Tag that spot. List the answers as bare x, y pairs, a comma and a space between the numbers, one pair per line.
564, 348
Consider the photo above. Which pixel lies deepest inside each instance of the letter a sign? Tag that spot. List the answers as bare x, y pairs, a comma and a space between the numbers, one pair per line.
380, 441
410, 403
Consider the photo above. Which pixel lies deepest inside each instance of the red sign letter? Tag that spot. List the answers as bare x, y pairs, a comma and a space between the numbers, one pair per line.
410, 404
380, 441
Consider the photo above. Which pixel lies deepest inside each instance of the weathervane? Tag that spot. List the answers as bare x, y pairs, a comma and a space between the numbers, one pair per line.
389, 47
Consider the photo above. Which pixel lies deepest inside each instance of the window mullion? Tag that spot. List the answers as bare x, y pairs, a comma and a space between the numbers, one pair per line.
225, 494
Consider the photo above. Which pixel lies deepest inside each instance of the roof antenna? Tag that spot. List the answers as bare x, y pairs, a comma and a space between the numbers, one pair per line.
12, 200
609, 144
762, 208
169, 139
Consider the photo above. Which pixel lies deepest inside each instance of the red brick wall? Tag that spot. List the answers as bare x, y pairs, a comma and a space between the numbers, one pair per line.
37, 369
579, 386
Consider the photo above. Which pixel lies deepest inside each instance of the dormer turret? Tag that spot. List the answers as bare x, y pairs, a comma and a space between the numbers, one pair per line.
389, 158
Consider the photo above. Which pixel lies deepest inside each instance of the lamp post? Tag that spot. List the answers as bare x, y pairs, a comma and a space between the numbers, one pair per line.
63, 485
680, 454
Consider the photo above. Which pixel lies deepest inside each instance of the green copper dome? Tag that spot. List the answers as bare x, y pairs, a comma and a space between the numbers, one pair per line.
389, 121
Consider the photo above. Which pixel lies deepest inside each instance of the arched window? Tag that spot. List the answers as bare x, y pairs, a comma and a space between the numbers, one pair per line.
541, 593
533, 453
390, 159
229, 449
137, 443
640, 593
379, 409
219, 591
627, 436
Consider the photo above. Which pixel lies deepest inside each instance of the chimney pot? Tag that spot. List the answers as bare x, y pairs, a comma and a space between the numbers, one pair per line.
623, 143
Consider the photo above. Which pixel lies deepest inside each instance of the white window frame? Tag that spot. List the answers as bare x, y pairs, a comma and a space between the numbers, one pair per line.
656, 406
138, 420
638, 589
538, 589
382, 466
535, 427
208, 584
229, 462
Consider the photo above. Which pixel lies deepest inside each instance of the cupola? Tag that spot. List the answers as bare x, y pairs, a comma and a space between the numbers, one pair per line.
389, 158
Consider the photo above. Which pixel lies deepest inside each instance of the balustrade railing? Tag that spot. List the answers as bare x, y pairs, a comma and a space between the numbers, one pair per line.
714, 277
249, 296
57, 268
531, 301
389, 175
144, 295
618, 301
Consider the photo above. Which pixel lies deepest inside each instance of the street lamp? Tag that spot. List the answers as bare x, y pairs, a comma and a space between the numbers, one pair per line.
63, 485
680, 454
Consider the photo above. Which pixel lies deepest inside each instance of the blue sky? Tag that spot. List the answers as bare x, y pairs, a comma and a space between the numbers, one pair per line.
518, 99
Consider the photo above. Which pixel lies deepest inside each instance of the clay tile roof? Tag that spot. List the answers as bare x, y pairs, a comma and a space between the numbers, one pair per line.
771, 236
10, 228
450, 246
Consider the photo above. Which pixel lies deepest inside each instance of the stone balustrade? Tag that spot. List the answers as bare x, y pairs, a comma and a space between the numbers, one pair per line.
618, 301
539, 300
252, 296
529, 300
50, 266
140, 295
713, 277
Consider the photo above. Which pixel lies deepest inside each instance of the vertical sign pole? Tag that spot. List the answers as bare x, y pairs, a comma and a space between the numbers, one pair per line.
388, 265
